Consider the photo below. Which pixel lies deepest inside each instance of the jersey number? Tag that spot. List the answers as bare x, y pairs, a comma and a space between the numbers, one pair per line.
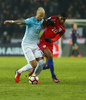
55, 30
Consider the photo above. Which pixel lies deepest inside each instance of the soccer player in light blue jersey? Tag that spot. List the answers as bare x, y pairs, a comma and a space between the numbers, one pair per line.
29, 42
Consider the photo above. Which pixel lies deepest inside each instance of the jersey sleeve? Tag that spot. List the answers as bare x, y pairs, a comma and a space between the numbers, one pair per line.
48, 21
42, 21
58, 36
27, 21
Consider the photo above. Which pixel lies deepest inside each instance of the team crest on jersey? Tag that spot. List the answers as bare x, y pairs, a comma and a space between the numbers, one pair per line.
44, 46
60, 29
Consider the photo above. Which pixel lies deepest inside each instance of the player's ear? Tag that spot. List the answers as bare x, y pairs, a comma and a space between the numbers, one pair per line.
59, 17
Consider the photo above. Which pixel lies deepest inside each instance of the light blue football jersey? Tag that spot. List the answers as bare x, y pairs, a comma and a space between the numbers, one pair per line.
33, 28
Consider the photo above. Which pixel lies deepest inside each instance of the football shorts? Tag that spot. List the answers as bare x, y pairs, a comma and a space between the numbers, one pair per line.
31, 53
44, 45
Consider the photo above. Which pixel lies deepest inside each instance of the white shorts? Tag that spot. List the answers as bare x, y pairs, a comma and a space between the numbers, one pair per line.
31, 53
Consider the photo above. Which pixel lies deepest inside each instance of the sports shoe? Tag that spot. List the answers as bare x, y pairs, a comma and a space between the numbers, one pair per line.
72, 56
55, 79
31, 72
39, 83
79, 55
17, 76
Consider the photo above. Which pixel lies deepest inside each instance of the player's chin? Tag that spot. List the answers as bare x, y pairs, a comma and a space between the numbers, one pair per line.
40, 19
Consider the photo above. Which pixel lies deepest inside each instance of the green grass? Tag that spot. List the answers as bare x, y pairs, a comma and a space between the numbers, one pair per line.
70, 71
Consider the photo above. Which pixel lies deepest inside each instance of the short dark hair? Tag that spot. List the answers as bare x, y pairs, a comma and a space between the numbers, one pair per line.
63, 14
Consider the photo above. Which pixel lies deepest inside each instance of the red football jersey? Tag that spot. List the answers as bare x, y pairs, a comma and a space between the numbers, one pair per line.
53, 32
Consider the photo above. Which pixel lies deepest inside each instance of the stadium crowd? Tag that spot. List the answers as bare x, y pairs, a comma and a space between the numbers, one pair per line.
22, 9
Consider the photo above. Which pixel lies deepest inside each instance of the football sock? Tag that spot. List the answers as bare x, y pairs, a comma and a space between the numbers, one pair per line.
51, 66
39, 67
77, 52
25, 68
44, 67
73, 52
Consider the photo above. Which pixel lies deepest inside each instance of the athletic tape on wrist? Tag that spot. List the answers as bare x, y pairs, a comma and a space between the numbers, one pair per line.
12, 21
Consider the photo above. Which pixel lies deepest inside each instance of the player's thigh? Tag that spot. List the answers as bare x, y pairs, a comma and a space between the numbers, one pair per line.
38, 54
33, 63
29, 56
47, 49
48, 53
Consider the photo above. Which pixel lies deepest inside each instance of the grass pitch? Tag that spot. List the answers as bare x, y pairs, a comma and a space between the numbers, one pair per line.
70, 71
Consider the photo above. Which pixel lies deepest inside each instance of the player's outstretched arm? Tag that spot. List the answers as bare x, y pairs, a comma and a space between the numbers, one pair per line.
17, 22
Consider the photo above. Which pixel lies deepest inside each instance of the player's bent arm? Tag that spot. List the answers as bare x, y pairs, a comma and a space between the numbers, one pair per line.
47, 22
16, 22
58, 36
53, 39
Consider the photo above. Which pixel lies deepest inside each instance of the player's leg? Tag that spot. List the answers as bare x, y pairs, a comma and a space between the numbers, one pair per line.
28, 66
73, 50
46, 65
19, 71
31, 64
72, 54
77, 52
48, 50
39, 67
49, 55
39, 57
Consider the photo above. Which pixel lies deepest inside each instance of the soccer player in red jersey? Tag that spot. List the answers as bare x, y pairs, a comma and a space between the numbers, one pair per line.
51, 34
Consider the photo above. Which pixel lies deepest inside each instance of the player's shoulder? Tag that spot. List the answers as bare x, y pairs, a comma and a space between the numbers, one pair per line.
63, 25
54, 16
31, 18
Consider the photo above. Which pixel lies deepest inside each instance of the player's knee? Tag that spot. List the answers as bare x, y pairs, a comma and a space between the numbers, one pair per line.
33, 64
38, 59
50, 56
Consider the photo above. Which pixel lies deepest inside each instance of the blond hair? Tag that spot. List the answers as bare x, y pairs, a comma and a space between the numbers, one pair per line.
40, 9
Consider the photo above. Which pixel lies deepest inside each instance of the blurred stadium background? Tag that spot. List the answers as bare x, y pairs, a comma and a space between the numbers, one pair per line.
22, 9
